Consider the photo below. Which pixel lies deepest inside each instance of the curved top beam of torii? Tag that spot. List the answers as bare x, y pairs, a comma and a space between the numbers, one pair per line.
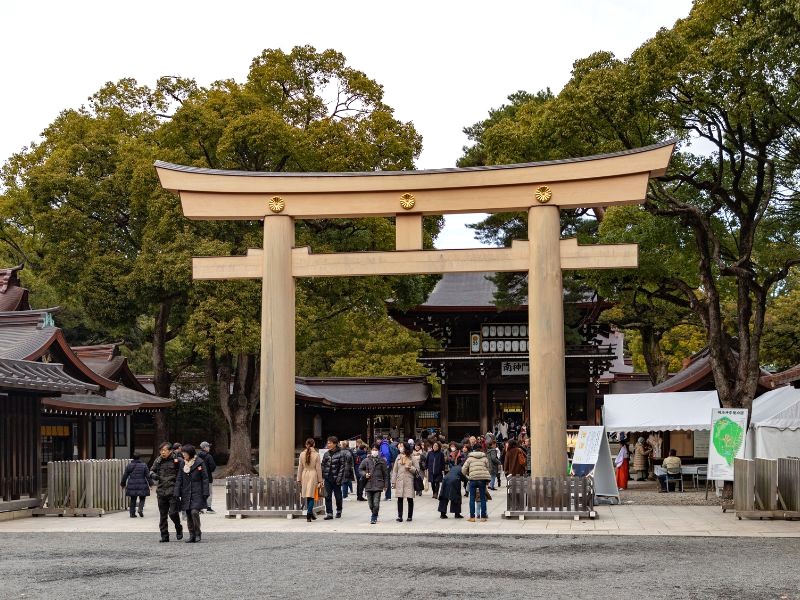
601, 180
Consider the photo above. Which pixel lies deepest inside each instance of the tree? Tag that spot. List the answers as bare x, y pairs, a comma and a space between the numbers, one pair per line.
298, 111
723, 81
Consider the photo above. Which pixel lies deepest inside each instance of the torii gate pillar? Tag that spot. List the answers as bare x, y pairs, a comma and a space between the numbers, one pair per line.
276, 426
546, 343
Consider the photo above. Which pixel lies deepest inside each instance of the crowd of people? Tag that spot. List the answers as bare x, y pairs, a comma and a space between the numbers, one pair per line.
183, 477
407, 470
642, 461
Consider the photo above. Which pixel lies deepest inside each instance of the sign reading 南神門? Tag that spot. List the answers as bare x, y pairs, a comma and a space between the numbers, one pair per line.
514, 368
728, 429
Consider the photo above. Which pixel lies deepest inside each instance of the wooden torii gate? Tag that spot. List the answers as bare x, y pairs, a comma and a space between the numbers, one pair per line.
541, 189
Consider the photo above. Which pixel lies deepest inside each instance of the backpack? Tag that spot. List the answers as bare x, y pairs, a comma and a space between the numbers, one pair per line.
522, 459
393, 453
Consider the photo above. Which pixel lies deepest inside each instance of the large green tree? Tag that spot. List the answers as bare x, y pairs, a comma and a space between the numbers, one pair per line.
724, 82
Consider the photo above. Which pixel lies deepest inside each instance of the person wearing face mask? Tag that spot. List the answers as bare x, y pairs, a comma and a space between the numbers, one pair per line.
435, 464
403, 473
375, 473
191, 487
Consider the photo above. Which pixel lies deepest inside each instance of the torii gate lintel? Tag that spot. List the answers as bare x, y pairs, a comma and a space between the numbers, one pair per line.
541, 189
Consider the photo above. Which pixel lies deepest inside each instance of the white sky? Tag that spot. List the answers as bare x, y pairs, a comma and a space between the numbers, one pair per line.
443, 64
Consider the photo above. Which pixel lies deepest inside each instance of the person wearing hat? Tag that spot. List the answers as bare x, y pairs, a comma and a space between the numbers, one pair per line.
192, 488
211, 466
641, 452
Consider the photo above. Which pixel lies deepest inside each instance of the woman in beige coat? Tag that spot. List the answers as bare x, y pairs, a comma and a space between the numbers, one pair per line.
309, 476
406, 467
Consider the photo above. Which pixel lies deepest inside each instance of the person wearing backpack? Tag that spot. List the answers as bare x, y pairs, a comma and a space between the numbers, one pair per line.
516, 461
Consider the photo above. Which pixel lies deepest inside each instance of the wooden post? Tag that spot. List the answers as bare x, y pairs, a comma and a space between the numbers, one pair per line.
548, 410
444, 416
484, 408
276, 426
110, 437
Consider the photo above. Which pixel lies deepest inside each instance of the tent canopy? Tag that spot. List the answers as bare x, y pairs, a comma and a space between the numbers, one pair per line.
664, 411
778, 408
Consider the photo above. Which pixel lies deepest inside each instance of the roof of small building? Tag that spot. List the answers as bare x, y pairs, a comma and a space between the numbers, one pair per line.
695, 376
29, 376
118, 401
774, 380
12, 295
363, 392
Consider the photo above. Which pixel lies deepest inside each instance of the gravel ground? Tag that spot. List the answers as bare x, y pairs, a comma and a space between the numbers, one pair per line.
646, 493
60, 565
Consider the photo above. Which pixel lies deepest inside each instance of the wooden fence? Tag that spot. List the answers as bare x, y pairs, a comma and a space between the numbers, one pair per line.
251, 496
767, 489
550, 497
84, 487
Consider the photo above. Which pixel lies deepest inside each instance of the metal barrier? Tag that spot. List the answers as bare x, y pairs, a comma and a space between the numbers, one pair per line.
767, 489
251, 496
550, 497
84, 487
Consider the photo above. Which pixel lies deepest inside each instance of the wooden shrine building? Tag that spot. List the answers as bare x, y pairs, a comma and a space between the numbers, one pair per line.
483, 365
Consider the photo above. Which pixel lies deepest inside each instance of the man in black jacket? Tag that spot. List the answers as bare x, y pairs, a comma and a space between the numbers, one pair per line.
164, 472
334, 464
211, 465
375, 474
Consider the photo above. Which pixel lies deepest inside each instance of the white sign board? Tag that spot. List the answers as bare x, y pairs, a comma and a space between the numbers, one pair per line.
514, 368
592, 458
726, 443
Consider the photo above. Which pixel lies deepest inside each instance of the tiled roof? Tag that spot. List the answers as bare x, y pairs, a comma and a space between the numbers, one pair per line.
12, 296
24, 375
463, 290
774, 380
118, 401
368, 392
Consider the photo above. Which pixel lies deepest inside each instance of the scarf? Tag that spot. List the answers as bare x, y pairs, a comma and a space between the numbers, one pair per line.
187, 466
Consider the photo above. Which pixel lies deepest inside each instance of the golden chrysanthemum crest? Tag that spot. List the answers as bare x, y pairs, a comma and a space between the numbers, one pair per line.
543, 194
407, 201
276, 204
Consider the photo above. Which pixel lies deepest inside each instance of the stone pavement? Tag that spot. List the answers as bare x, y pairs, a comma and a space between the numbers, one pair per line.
622, 520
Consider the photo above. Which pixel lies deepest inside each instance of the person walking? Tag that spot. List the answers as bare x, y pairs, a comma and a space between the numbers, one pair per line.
418, 458
451, 492
641, 453
375, 473
492, 455
191, 487
403, 473
136, 481
359, 455
349, 469
388, 454
334, 464
165, 472
621, 463
211, 465
476, 470
515, 461
435, 464
309, 476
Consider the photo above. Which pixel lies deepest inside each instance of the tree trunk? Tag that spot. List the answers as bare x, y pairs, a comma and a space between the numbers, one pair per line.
162, 378
238, 396
657, 364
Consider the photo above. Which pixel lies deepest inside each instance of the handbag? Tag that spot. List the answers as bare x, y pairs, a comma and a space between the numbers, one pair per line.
418, 483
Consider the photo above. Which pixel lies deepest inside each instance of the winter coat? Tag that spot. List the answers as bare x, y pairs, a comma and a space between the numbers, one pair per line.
403, 478
494, 461
309, 475
511, 464
164, 473
137, 479
379, 473
420, 461
435, 466
476, 467
334, 464
386, 452
451, 485
211, 464
640, 458
360, 454
192, 487
349, 468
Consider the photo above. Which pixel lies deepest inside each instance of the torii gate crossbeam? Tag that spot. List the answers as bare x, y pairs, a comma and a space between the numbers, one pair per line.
538, 188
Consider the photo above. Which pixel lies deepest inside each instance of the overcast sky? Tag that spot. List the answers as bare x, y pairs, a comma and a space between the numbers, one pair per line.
443, 64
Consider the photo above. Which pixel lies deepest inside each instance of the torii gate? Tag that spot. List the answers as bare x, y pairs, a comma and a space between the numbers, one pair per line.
539, 188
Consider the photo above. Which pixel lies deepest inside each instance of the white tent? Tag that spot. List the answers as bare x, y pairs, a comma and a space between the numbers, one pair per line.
775, 424
662, 411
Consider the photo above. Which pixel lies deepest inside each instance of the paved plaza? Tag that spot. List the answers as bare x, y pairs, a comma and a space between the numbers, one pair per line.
622, 520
